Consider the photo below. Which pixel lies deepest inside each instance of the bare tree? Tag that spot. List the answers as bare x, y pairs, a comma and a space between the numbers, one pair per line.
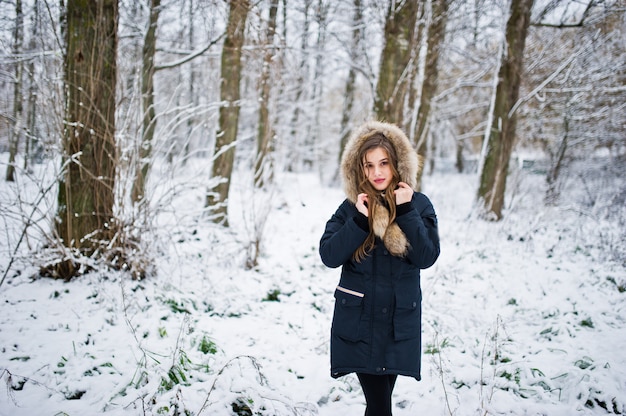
18, 107
349, 93
263, 170
229, 110
86, 190
500, 137
416, 74
297, 126
191, 86
147, 99
317, 94
31, 144
395, 59
435, 39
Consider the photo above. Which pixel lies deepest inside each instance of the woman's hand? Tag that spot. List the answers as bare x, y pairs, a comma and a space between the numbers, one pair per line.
361, 204
404, 193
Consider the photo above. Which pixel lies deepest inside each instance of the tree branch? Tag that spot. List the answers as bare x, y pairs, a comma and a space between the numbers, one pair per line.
190, 56
548, 79
562, 25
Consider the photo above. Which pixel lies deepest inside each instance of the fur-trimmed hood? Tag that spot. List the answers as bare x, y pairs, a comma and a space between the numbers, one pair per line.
409, 166
409, 163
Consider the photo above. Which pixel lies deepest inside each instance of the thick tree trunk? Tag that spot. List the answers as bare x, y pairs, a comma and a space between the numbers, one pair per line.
86, 191
501, 135
147, 99
229, 111
263, 171
394, 61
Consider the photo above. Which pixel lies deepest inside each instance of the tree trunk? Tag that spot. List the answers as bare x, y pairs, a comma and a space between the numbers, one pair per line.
86, 191
501, 135
18, 108
552, 193
317, 95
394, 61
297, 128
434, 40
31, 144
147, 99
348, 102
459, 164
229, 111
263, 171
191, 86
416, 75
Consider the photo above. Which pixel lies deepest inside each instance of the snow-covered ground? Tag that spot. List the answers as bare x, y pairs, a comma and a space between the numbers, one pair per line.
525, 316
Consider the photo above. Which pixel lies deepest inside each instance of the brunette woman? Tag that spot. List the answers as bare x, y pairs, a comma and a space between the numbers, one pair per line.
381, 236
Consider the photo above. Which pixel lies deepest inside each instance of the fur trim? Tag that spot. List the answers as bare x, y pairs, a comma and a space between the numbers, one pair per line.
409, 167
409, 162
391, 234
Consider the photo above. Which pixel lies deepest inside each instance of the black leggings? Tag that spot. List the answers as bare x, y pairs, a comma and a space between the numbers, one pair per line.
377, 390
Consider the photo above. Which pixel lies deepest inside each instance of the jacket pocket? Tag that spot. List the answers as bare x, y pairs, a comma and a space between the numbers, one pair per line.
347, 316
407, 319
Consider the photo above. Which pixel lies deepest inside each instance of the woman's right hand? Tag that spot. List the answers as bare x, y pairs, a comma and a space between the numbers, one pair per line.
361, 204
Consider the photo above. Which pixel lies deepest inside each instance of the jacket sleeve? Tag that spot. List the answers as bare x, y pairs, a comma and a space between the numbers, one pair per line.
419, 224
342, 236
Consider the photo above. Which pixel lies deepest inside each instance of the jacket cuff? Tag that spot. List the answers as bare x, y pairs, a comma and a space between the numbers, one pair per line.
362, 222
403, 208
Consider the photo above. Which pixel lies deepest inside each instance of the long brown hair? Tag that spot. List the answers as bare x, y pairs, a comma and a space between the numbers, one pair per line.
375, 197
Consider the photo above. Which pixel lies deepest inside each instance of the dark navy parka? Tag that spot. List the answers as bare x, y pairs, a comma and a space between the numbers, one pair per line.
376, 327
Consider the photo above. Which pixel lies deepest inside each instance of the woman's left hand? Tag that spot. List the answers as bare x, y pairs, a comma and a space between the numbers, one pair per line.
404, 193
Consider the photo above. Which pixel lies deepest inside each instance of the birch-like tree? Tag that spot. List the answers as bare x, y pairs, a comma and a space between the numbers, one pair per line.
32, 146
298, 124
226, 139
18, 107
85, 219
312, 138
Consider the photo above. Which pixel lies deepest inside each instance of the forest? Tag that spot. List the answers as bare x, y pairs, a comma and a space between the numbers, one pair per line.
142, 142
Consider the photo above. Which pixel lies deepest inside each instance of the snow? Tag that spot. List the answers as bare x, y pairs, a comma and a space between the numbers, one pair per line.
520, 317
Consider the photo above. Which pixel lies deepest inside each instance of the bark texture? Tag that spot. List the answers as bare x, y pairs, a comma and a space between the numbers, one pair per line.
147, 99
229, 111
501, 135
263, 166
86, 191
396, 56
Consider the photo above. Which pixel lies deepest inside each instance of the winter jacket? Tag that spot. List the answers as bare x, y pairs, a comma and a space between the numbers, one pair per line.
376, 327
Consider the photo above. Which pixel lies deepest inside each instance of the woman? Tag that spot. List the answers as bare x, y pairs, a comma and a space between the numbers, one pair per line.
381, 235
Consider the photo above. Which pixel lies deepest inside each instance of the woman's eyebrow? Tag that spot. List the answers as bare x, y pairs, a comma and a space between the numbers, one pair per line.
385, 159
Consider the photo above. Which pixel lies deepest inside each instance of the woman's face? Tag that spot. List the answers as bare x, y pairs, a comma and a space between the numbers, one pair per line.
377, 167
